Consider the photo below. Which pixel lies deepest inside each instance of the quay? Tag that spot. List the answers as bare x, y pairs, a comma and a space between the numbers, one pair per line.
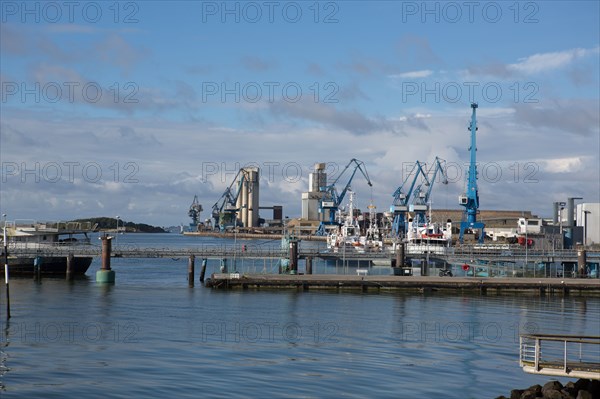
412, 283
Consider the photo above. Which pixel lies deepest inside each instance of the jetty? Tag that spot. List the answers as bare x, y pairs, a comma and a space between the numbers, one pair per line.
406, 283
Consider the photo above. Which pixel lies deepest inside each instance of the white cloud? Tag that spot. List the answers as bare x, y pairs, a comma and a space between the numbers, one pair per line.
413, 74
549, 61
562, 165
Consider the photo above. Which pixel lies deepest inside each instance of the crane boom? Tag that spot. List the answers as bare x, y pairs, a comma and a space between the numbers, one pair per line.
226, 204
421, 200
331, 200
400, 205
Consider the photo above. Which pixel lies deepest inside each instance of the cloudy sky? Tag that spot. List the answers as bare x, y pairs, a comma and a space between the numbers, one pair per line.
132, 108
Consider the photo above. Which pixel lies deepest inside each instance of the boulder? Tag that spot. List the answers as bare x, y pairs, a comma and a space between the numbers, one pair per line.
582, 383
553, 385
553, 394
584, 395
537, 389
570, 388
516, 393
594, 388
528, 395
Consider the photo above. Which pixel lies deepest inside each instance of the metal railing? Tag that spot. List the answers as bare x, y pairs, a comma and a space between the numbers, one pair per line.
560, 355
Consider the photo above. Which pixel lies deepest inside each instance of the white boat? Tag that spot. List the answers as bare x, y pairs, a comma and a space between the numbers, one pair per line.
35, 239
347, 236
372, 241
430, 238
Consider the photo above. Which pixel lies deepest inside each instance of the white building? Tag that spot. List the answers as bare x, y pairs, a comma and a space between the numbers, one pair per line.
588, 216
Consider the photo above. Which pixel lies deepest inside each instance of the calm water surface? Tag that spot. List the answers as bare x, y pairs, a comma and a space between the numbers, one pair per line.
150, 335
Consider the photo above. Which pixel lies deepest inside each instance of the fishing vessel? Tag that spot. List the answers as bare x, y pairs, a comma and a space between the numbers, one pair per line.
26, 238
347, 236
428, 238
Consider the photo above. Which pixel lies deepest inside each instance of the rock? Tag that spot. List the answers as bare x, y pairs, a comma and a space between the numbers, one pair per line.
501, 397
537, 389
594, 388
582, 383
570, 388
584, 395
528, 395
516, 393
554, 394
554, 385
568, 395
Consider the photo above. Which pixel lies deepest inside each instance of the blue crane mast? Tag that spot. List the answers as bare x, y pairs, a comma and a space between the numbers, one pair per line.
421, 199
332, 200
470, 200
224, 211
401, 198
194, 213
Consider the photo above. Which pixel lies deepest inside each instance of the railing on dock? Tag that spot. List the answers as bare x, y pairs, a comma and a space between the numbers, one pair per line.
560, 355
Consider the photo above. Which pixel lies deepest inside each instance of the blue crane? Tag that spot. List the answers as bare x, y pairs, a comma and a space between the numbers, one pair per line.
194, 213
470, 200
421, 199
331, 199
224, 211
401, 198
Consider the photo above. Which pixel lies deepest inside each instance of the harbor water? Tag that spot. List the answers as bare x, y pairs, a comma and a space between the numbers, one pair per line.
150, 335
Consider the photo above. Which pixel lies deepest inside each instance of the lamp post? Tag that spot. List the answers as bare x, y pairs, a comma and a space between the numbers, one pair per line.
117, 232
5, 241
526, 245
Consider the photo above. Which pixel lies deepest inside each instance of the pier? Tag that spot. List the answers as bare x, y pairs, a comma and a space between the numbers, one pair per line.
457, 254
503, 265
421, 284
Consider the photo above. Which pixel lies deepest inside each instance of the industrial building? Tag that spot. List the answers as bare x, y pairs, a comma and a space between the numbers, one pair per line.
587, 216
247, 201
311, 199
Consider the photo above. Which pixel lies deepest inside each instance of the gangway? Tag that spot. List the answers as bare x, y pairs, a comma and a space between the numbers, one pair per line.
576, 356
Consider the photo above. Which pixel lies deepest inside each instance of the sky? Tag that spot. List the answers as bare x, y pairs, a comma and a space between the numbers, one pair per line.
132, 108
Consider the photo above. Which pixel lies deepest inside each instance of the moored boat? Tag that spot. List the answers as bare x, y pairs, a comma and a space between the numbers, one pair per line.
29, 243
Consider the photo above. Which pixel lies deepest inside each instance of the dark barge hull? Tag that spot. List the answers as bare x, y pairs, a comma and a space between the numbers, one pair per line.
54, 266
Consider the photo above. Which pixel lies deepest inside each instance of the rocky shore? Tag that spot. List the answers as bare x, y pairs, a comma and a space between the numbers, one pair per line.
581, 389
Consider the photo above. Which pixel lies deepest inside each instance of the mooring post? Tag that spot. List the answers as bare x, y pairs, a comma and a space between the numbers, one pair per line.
309, 265
203, 270
398, 263
6, 269
105, 274
400, 255
70, 264
37, 267
582, 262
293, 256
191, 267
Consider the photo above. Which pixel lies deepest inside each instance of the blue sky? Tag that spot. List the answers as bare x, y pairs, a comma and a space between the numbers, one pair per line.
132, 108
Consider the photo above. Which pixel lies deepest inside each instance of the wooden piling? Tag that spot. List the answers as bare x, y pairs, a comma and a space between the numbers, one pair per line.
203, 270
37, 268
191, 270
293, 256
70, 264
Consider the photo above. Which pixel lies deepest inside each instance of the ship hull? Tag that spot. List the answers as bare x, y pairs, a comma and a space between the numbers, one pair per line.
55, 265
